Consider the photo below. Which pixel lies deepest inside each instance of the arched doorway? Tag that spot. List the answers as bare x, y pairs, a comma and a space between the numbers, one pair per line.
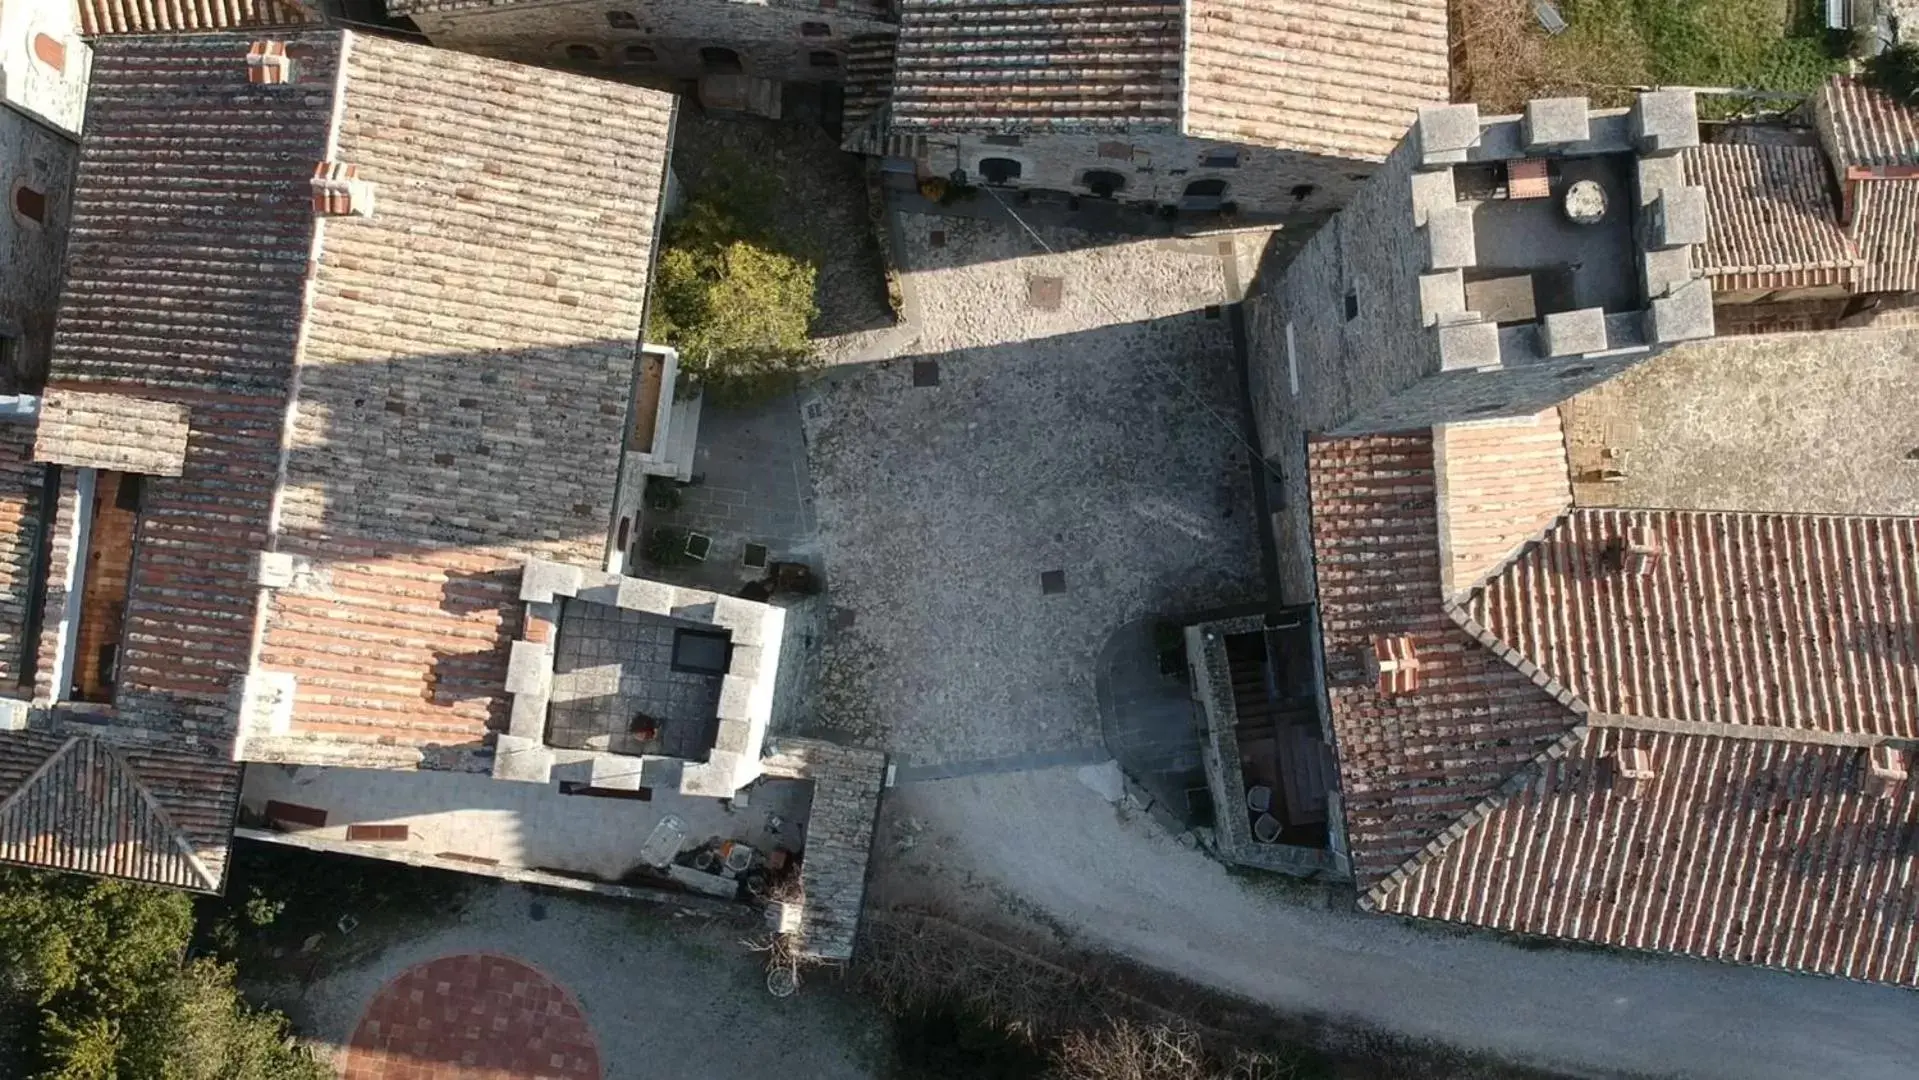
1205, 194
999, 170
717, 59
1103, 183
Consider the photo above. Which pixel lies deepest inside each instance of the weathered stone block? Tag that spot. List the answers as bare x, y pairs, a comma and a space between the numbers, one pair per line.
273, 569
1468, 346
1574, 333
1686, 315
639, 594
528, 718
1656, 174
617, 772
1679, 217
1432, 191
543, 580
1450, 240
1442, 297
1446, 133
1665, 121
529, 669
1554, 122
736, 698
1664, 270
515, 758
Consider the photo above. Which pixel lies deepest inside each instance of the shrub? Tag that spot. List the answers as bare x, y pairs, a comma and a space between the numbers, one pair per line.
1896, 71
735, 306
101, 962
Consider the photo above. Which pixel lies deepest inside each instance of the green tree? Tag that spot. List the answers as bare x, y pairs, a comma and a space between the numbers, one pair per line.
102, 964
735, 306
1896, 71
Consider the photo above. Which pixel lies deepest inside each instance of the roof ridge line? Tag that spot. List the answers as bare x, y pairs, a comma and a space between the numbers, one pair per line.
1459, 595
1520, 778
1715, 729
1451, 835
34, 777
160, 814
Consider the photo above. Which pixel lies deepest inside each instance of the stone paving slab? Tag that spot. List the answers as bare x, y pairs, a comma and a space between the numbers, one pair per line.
1097, 441
473, 1016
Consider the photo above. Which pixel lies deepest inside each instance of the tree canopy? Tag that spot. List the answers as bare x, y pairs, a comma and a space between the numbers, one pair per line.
1896, 71
96, 987
735, 306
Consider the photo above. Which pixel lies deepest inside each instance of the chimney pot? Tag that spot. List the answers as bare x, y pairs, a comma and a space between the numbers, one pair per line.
1632, 771
1395, 665
1642, 550
338, 191
268, 63
1885, 770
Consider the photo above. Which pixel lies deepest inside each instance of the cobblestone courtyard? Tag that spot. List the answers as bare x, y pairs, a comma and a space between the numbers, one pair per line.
1028, 475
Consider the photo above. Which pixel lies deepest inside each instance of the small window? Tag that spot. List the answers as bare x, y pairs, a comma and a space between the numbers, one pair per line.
30, 203
1116, 151
999, 170
714, 58
50, 51
1103, 183
1489, 407
378, 834
583, 53
640, 54
1302, 192
1225, 157
1002, 140
1352, 305
622, 20
1206, 189
823, 59
815, 29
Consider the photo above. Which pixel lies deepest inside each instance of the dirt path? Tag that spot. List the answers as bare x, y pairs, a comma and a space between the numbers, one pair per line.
1042, 848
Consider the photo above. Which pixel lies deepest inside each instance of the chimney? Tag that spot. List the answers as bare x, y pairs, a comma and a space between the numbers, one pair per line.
1885, 771
1395, 665
267, 62
1632, 771
1642, 550
338, 191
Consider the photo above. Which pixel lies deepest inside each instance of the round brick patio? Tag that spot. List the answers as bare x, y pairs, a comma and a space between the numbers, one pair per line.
472, 1017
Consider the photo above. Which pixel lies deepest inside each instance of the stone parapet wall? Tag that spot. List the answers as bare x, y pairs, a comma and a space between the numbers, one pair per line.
847, 782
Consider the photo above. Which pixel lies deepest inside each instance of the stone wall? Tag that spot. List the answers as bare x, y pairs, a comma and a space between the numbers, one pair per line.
1157, 167
839, 837
664, 41
36, 177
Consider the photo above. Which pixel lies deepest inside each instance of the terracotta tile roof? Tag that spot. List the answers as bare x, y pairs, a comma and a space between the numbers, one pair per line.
81, 804
1410, 765
1862, 126
1752, 851
100, 17
112, 431
1782, 621
466, 354
985, 65
1342, 78
21, 509
1500, 484
465, 379
1773, 224
1885, 221
1750, 661
187, 260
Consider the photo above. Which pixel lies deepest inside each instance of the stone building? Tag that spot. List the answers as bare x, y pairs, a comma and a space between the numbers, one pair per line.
319, 518
1203, 105
43, 85
777, 40
1657, 711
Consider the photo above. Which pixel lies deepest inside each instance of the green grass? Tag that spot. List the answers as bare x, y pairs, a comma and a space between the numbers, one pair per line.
1751, 44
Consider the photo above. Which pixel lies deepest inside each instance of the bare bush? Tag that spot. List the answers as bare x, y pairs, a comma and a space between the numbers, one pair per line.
1125, 1051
